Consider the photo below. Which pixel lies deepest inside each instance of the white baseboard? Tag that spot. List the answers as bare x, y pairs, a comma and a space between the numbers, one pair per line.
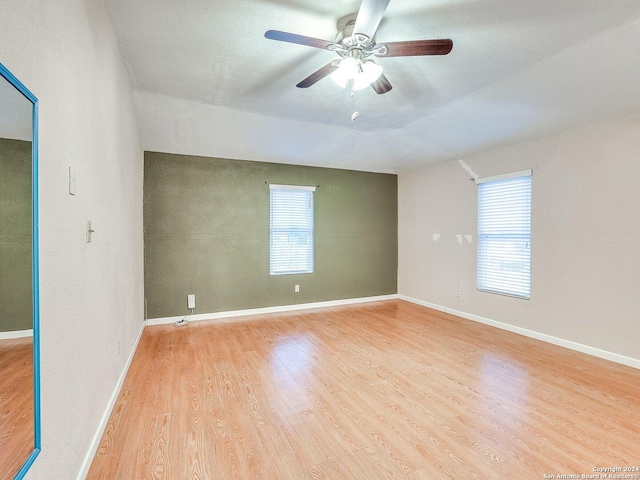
16, 334
579, 347
226, 317
93, 447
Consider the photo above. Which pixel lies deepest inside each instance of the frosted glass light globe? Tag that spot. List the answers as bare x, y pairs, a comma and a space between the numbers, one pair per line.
363, 74
347, 70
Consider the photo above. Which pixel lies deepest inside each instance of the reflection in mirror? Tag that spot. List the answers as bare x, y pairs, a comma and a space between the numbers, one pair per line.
19, 442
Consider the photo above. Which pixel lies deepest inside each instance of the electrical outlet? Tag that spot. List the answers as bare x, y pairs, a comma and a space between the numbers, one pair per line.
191, 301
296, 289
458, 292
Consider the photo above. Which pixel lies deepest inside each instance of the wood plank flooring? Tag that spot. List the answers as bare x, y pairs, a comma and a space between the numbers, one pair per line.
385, 390
16, 404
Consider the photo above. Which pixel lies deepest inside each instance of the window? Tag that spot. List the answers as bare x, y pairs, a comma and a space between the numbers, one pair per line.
291, 229
504, 234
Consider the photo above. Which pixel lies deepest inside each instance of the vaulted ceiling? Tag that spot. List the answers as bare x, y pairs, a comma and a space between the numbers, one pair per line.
207, 81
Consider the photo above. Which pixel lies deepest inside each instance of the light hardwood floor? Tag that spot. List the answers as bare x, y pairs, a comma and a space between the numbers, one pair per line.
384, 390
16, 404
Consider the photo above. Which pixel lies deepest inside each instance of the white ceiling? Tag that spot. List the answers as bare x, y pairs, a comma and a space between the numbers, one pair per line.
207, 82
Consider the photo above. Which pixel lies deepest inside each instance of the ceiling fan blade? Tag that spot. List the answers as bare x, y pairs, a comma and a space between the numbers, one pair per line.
317, 75
369, 16
418, 47
295, 38
381, 85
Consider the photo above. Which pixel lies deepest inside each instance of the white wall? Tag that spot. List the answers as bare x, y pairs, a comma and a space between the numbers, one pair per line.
585, 236
91, 294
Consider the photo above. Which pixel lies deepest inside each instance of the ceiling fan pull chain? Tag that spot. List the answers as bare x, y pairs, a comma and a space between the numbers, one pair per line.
356, 114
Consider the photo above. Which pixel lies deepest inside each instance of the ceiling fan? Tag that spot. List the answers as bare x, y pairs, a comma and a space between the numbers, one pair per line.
355, 44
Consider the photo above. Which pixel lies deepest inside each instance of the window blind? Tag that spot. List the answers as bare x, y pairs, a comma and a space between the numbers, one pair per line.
504, 235
291, 229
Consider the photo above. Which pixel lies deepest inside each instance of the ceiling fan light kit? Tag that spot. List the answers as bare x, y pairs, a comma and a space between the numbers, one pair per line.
361, 74
354, 43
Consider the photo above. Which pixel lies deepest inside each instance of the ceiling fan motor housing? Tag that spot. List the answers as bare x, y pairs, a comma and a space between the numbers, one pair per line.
352, 45
345, 27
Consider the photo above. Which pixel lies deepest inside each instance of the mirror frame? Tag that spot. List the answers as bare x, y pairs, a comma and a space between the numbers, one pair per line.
35, 285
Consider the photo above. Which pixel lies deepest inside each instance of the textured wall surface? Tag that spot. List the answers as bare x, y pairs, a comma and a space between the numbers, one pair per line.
585, 236
15, 235
207, 233
91, 293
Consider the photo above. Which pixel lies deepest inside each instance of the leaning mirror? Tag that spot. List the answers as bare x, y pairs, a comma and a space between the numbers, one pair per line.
19, 301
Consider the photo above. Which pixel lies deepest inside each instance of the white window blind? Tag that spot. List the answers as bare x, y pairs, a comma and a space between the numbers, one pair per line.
291, 229
504, 234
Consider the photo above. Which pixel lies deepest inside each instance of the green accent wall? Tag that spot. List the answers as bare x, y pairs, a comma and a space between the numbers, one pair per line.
206, 232
15, 235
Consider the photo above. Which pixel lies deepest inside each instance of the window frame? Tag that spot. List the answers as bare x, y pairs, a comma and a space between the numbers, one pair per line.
504, 236
309, 230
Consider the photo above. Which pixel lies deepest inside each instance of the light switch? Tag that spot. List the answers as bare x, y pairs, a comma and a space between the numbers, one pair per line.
72, 181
